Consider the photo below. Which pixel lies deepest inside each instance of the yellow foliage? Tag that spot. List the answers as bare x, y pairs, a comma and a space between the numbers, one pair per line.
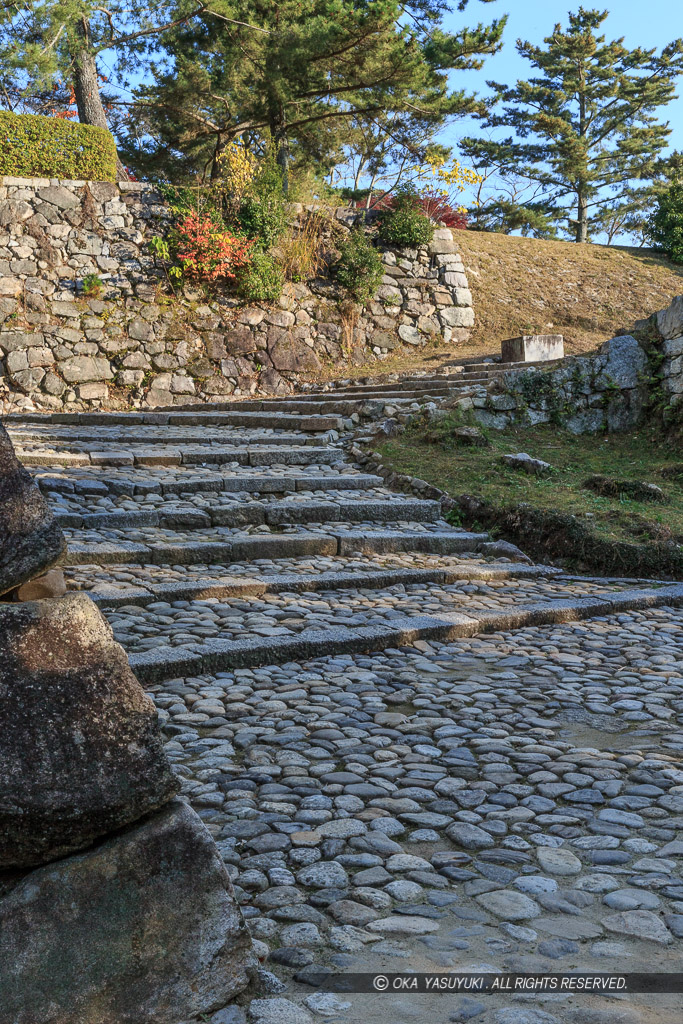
449, 181
238, 168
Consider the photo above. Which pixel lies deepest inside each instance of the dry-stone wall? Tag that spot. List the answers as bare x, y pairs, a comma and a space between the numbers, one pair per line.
610, 389
137, 344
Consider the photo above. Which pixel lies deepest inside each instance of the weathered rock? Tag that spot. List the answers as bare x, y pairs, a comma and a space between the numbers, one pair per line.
641, 924
670, 320
290, 354
623, 361
81, 753
639, 490
143, 927
84, 368
525, 463
240, 341
457, 316
30, 540
51, 584
470, 437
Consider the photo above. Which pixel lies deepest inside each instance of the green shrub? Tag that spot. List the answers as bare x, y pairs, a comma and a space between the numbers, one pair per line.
665, 227
262, 279
360, 266
92, 285
404, 225
33, 146
262, 213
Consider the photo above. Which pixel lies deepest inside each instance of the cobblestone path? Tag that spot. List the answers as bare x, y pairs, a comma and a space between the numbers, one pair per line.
413, 753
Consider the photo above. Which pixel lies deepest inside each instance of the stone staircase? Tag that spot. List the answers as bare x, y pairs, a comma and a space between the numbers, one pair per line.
411, 745
242, 536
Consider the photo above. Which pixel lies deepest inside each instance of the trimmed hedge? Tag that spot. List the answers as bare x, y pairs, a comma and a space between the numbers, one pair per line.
33, 146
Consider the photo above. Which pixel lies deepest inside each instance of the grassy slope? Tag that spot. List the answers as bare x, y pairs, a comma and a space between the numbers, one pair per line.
586, 292
638, 455
529, 286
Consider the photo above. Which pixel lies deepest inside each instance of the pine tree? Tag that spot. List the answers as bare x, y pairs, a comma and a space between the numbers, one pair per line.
49, 43
298, 71
586, 126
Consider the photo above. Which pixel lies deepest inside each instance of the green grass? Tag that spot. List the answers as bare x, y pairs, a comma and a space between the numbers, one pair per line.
429, 451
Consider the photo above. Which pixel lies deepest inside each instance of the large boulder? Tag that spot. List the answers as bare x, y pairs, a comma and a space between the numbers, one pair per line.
30, 540
670, 320
623, 362
141, 929
81, 753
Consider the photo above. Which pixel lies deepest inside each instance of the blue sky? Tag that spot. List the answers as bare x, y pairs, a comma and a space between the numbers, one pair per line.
644, 23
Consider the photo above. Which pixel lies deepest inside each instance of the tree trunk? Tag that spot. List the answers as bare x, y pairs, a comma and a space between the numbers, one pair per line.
582, 200
582, 219
282, 159
216, 161
87, 89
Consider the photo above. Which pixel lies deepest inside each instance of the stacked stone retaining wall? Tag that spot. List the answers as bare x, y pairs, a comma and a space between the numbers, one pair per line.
139, 342
613, 389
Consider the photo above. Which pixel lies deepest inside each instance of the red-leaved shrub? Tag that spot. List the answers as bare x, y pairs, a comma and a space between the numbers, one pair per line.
206, 252
431, 204
437, 207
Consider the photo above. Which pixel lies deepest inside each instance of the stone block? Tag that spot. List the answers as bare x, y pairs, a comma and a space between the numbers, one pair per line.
143, 927
526, 464
95, 761
29, 380
182, 385
622, 362
51, 584
30, 540
442, 247
17, 360
532, 348
10, 286
84, 243
457, 316
85, 368
136, 361
140, 330
53, 385
13, 212
91, 392
673, 347
59, 196
251, 316
410, 335
670, 320
40, 357
128, 378
290, 354
454, 279
240, 341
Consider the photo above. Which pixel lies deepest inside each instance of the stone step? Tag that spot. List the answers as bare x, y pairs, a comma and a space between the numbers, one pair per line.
114, 594
346, 403
245, 513
196, 415
408, 384
302, 455
189, 550
84, 439
215, 655
186, 482
501, 367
